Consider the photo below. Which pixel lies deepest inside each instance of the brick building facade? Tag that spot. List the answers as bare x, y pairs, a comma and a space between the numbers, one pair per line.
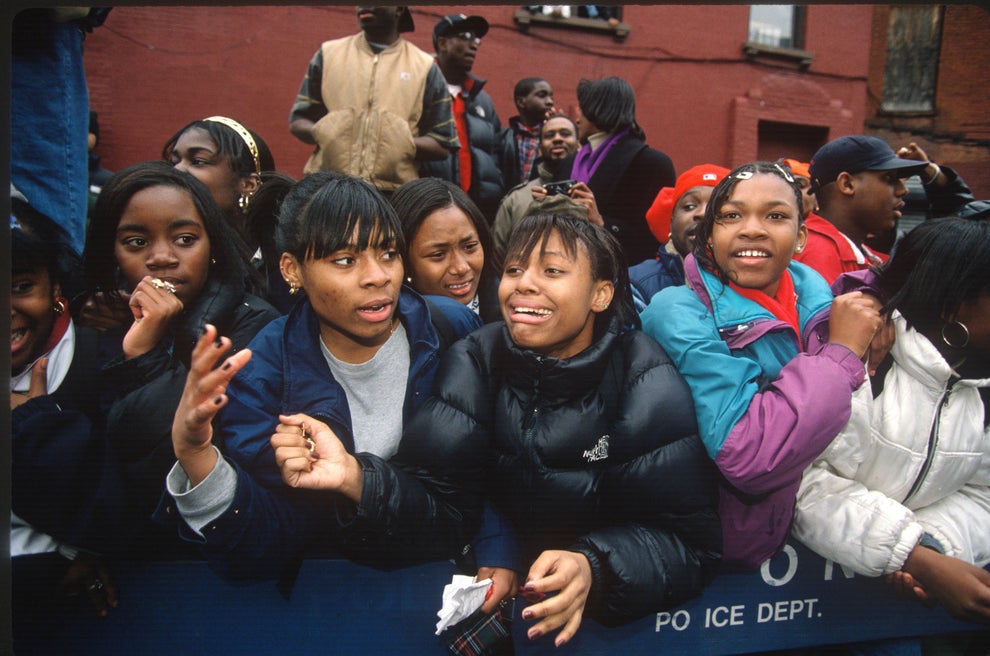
705, 91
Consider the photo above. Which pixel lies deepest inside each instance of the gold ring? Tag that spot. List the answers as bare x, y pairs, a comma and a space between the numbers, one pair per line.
158, 283
309, 440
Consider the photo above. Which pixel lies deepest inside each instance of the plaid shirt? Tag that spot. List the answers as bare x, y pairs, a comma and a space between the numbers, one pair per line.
528, 145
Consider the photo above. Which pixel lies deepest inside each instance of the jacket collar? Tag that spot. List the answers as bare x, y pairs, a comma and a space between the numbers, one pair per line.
555, 380
918, 357
736, 316
305, 368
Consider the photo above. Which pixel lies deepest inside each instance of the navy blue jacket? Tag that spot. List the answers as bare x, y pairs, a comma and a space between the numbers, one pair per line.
650, 276
269, 525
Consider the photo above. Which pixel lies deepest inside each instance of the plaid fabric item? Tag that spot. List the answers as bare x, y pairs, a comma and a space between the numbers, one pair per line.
482, 635
528, 142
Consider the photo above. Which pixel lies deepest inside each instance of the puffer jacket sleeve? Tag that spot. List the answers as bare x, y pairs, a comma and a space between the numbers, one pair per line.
429, 497
669, 544
843, 520
959, 521
751, 432
267, 523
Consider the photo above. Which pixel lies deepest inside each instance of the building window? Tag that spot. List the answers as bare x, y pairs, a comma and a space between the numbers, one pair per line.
914, 37
597, 18
777, 26
776, 33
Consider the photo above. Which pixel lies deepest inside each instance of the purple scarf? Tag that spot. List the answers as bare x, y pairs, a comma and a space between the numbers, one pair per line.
586, 161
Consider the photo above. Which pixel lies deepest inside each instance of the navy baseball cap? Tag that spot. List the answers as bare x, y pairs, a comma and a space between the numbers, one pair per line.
455, 23
855, 154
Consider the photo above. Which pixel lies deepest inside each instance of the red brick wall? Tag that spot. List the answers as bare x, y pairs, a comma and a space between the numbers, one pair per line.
151, 70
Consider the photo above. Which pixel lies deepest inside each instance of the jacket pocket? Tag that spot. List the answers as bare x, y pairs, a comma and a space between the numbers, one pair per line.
335, 135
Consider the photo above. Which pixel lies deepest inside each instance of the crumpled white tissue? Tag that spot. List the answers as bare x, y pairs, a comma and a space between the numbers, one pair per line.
461, 597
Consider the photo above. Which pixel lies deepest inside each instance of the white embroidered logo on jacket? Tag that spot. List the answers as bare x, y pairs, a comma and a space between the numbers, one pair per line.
600, 452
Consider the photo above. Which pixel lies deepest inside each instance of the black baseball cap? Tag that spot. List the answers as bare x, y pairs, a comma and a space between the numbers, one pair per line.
455, 23
855, 154
406, 21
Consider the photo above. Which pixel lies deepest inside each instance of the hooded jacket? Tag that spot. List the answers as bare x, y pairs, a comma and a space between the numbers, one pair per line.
596, 454
768, 403
915, 460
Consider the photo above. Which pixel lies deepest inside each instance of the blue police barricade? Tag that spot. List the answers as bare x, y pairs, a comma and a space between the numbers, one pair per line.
336, 607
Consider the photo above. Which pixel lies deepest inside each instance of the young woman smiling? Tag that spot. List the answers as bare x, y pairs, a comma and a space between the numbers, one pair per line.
566, 419
772, 360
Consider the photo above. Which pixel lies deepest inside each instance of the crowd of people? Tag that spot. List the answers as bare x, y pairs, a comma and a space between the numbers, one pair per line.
534, 349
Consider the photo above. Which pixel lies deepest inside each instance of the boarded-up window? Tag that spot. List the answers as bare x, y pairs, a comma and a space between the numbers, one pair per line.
914, 36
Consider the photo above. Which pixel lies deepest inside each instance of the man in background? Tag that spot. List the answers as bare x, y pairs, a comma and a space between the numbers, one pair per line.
374, 105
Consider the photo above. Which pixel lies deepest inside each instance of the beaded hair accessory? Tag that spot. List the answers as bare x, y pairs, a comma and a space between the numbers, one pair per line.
244, 134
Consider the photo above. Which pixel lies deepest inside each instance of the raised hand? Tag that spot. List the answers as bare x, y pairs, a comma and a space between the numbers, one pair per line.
310, 455
153, 304
853, 322
203, 396
37, 387
582, 194
567, 573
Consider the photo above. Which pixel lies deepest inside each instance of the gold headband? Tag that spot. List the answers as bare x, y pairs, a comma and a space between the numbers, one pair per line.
244, 134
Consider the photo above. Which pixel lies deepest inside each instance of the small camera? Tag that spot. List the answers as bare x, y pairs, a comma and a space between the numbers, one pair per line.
559, 187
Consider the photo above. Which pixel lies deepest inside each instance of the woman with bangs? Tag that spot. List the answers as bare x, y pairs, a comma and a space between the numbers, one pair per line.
357, 353
565, 418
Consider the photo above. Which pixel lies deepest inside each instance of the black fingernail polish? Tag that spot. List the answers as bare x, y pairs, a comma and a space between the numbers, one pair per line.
218, 400
225, 367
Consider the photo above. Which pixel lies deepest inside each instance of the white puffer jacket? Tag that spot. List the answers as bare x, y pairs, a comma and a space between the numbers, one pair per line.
914, 460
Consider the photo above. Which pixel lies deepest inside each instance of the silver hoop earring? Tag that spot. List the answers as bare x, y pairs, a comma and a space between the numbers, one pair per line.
965, 332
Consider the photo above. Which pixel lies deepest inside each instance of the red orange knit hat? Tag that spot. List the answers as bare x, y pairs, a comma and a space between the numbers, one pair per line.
798, 168
659, 214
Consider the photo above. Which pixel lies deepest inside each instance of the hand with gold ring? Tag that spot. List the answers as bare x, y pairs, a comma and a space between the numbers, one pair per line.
310, 455
158, 283
154, 303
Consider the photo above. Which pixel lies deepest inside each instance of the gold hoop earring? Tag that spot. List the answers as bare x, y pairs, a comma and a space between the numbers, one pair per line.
59, 307
965, 334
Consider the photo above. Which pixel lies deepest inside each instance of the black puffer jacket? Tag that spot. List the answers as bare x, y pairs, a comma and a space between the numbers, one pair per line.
483, 128
149, 386
596, 454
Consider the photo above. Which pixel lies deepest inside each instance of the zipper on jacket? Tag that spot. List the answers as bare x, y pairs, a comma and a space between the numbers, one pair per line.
366, 128
933, 437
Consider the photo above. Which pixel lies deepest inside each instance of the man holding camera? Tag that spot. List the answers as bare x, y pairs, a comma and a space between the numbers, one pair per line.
558, 140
